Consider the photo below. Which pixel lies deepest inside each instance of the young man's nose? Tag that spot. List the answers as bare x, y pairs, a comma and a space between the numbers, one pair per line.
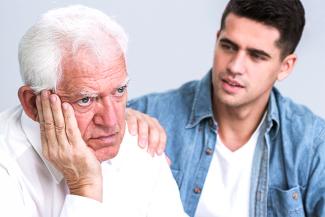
237, 64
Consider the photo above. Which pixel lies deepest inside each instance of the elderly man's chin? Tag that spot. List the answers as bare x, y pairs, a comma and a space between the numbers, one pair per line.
105, 150
107, 153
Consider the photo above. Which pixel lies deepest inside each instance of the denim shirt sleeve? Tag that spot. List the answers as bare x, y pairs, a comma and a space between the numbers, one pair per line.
303, 200
296, 160
315, 189
139, 104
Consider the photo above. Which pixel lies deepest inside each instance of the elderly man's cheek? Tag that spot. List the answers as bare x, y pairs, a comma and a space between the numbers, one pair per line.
84, 120
83, 109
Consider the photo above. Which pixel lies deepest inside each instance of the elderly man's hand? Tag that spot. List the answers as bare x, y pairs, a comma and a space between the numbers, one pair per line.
64, 147
150, 133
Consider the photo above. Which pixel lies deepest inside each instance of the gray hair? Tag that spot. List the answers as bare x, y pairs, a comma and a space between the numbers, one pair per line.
41, 48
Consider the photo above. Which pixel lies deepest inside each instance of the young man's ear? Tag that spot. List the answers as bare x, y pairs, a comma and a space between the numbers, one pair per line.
287, 66
27, 99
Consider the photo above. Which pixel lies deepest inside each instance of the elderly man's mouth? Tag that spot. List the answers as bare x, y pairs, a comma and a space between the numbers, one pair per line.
107, 139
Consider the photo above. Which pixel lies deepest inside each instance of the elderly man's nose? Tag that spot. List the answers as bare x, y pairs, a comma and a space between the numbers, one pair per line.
106, 113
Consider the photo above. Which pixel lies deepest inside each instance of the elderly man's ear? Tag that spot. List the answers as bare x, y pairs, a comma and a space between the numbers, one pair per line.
27, 99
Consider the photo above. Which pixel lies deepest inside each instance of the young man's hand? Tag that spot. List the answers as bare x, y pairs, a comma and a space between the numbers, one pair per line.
150, 133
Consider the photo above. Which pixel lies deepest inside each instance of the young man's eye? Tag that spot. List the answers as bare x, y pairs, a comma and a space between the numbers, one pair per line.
227, 47
257, 57
85, 101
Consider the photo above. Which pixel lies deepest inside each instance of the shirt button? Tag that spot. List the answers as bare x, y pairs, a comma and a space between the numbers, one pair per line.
208, 151
295, 195
197, 190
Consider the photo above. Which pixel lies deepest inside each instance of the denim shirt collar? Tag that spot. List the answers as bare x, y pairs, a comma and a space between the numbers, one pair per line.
273, 116
202, 103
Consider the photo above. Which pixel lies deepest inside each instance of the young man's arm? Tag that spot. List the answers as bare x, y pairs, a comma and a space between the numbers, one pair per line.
315, 189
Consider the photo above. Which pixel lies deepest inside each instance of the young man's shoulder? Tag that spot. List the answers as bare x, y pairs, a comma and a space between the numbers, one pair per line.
295, 111
171, 100
298, 119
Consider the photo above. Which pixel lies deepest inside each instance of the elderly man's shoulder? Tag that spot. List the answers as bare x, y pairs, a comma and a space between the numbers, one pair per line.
8, 116
11, 138
10, 129
138, 171
132, 156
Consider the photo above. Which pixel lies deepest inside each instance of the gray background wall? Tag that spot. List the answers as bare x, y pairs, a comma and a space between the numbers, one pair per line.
171, 42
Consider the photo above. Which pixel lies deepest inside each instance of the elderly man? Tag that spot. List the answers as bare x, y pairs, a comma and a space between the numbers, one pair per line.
65, 151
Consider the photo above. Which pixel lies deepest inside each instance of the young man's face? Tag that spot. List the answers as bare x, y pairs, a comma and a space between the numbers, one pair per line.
97, 92
247, 63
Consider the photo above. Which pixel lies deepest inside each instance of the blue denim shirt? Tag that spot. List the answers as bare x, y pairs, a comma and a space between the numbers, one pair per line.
288, 174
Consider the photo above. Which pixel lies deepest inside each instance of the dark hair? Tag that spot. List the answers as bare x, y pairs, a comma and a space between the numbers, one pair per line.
287, 16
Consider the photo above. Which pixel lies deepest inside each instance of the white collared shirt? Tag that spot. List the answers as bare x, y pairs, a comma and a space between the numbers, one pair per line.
134, 183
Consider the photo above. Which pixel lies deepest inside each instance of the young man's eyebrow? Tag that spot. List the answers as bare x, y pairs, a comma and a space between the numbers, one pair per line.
228, 41
259, 52
250, 50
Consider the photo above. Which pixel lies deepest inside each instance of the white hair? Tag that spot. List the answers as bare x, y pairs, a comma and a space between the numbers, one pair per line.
42, 47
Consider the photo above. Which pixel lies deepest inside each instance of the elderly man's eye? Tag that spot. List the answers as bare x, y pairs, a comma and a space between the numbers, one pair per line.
85, 101
120, 91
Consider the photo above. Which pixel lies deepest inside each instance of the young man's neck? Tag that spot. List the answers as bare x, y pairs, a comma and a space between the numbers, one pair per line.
236, 125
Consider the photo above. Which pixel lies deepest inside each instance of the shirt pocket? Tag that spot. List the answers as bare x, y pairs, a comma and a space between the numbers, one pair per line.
286, 203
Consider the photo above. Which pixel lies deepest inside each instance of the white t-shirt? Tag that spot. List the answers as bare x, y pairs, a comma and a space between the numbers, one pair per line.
226, 190
134, 183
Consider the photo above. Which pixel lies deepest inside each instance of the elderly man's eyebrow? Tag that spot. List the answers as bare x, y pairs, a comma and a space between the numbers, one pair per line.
87, 93
125, 82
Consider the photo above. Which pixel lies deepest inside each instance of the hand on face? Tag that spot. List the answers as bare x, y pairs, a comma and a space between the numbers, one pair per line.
63, 145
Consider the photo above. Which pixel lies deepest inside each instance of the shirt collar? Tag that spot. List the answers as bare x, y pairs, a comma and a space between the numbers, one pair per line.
32, 132
202, 103
273, 117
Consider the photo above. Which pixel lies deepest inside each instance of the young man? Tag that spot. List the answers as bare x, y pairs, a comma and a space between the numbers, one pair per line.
237, 146
65, 151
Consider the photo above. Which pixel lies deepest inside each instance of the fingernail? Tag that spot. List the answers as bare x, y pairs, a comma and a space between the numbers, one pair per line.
143, 142
133, 132
65, 106
53, 98
44, 93
160, 151
150, 152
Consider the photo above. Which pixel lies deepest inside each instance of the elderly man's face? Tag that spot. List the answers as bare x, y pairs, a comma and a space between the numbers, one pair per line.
97, 91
